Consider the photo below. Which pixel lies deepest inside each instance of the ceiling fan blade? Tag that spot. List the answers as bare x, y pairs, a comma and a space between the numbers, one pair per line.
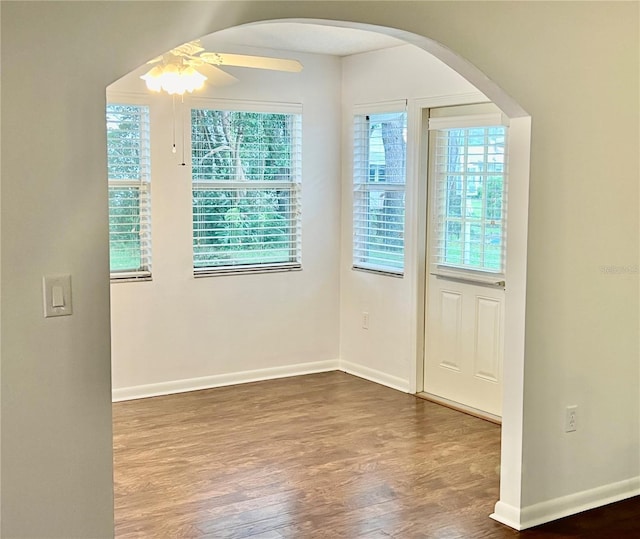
257, 62
215, 76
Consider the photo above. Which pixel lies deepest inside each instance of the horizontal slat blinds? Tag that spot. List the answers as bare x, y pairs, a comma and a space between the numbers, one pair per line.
470, 198
128, 161
379, 178
246, 169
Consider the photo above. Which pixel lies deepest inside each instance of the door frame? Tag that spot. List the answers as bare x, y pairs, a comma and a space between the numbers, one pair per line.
519, 144
426, 181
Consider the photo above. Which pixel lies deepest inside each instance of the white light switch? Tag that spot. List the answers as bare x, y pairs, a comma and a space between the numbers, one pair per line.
57, 296
56, 291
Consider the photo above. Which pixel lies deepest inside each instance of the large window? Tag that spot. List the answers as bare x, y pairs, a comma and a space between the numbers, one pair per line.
246, 190
128, 159
379, 178
470, 198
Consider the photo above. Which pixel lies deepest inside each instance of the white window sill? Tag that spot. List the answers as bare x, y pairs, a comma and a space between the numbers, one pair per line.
379, 271
130, 277
245, 270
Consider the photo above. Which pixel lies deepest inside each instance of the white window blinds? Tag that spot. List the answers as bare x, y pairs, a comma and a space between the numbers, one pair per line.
246, 169
379, 179
470, 196
128, 160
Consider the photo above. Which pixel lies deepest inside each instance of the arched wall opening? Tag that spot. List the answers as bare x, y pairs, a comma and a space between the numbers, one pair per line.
408, 379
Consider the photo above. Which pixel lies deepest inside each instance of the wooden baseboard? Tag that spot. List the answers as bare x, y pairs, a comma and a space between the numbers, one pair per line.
461, 408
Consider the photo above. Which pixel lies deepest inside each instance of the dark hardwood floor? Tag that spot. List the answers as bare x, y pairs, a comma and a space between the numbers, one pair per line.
319, 456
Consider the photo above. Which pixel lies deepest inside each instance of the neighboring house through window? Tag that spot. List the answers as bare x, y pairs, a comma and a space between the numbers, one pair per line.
246, 174
129, 163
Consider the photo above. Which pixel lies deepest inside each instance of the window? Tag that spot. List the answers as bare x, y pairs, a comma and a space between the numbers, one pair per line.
128, 160
246, 190
470, 197
379, 178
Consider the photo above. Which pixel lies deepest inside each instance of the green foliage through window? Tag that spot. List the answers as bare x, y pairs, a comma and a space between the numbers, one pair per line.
128, 162
245, 170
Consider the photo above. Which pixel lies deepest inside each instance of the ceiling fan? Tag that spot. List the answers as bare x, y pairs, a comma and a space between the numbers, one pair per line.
181, 69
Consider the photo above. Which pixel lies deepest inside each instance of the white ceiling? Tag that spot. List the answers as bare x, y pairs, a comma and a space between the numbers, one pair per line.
302, 37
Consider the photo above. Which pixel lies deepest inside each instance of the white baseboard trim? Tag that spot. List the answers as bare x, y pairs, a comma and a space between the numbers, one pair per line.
376, 376
564, 506
219, 380
507, 514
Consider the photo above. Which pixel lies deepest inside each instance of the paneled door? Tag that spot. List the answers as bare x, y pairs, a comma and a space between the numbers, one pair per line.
466, 278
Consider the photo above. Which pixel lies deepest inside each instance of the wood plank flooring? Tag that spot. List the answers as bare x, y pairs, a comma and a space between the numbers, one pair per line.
320, 456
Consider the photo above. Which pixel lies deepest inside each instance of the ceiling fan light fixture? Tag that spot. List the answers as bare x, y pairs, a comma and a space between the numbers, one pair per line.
173, 79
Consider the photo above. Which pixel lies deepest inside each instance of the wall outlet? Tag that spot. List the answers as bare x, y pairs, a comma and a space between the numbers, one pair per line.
365, 320
571, 419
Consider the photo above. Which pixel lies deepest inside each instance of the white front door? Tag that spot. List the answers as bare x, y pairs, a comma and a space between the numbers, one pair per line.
466, 276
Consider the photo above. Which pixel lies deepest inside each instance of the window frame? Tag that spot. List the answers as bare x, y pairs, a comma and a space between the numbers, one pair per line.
436, 264
362, 185
142, 184
294, 186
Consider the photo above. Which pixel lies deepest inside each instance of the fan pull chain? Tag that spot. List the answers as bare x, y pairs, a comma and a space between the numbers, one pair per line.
173, 100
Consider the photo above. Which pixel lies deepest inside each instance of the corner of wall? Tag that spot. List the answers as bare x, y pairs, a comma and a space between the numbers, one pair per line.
508, 515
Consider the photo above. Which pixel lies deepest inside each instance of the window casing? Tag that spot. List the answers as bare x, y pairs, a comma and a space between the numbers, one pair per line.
470, 197
129, 164
379, 182
246, 177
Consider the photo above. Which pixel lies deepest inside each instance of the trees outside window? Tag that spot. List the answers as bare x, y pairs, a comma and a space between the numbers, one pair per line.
128, 161
379, 179
246, 190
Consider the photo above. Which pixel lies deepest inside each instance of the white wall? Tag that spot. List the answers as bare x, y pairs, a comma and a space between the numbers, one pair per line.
573, 66
179, 332
386, 352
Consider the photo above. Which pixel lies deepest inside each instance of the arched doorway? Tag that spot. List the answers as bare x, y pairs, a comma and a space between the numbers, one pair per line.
512, 424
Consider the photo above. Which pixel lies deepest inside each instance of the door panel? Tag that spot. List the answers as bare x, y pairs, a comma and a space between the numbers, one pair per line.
450, 322
487, 340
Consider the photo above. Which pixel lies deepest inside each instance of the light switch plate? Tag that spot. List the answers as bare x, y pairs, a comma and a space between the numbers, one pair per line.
62, 286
